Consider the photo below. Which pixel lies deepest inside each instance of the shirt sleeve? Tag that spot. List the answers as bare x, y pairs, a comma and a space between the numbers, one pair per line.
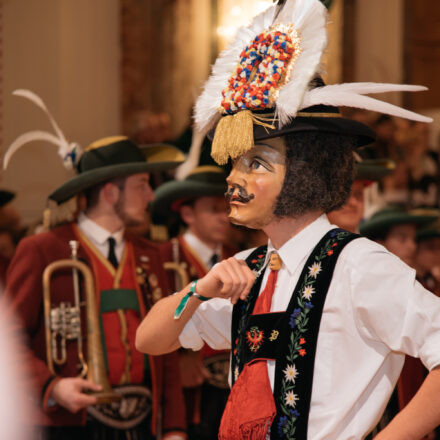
391, 307
211, 323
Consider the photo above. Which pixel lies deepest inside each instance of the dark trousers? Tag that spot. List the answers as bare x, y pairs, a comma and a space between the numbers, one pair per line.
212, 405
95, 431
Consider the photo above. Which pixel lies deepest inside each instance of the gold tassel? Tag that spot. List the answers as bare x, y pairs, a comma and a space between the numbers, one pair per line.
234, 135
219, 151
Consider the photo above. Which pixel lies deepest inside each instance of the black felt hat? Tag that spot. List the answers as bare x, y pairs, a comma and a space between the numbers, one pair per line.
319, 118
5, 197
116, 156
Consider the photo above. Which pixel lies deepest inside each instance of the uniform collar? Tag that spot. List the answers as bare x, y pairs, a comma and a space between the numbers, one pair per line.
203, 251
96, 233
299, 247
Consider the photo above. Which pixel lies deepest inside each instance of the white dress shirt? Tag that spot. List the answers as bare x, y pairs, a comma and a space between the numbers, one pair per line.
203, 251
375, 312
99, 236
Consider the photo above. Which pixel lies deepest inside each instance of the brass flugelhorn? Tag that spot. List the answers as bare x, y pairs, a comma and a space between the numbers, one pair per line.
63, 324
181, 277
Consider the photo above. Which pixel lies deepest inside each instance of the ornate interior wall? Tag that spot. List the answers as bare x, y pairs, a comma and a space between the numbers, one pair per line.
68, 53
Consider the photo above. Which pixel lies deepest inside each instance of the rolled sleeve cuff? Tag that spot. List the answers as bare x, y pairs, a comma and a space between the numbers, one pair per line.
190, 338
430, 353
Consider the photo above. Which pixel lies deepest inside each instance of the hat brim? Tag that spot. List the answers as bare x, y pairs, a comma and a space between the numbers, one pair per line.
363, 134
170, 195
372, 169
6, 197
375, 227
90, 178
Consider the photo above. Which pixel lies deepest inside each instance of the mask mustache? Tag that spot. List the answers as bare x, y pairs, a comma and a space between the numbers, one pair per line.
242, 196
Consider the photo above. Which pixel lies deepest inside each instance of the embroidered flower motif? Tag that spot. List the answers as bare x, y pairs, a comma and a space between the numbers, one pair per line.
255, 338
291, 398
302, 341
293, 316
294, 412
330, 252
308, 305
281, 424
290, 373
308, 292
302, 352
314, 269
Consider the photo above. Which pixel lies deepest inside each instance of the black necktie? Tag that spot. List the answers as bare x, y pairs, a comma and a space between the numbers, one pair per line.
111, 252
213, 260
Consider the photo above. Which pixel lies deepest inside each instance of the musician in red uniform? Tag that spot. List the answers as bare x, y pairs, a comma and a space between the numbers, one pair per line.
113, 175
199, 200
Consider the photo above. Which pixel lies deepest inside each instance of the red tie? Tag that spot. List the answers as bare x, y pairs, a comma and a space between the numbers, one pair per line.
251, 409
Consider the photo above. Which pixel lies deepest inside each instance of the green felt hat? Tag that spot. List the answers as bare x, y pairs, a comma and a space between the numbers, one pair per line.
429, 231
116, 156
374, 169
206, 180
5, 197
390, 216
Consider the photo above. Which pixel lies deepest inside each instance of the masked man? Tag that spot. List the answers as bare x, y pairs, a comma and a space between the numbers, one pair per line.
317, 320
200, 201
127, 278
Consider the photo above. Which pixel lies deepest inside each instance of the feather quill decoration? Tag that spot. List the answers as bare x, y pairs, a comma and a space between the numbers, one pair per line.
352, 95
309, 19
68, 151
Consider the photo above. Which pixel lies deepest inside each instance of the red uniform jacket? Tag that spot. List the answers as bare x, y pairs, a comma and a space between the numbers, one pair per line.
24, 291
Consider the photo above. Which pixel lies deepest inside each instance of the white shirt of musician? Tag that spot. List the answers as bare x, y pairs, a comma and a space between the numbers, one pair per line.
204, 252
375, 312
99, 236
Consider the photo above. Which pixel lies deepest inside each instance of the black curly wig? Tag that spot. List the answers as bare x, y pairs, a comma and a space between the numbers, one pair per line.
319, 173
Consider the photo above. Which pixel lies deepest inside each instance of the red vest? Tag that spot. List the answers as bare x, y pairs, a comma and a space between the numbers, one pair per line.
125, 363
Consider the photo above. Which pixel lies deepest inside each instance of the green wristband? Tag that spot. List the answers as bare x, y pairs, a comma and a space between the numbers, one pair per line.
184, 302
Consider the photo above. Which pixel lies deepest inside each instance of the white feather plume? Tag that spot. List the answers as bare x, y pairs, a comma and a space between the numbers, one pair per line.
206, 109
351, 95
193, 158
309, 19
66, 149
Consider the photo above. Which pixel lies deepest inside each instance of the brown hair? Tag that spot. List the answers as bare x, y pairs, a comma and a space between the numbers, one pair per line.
319, 173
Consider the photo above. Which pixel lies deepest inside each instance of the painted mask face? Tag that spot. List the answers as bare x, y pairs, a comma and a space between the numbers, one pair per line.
255, 182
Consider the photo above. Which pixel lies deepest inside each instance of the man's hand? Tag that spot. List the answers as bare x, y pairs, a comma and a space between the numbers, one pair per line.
70, 393
229, 279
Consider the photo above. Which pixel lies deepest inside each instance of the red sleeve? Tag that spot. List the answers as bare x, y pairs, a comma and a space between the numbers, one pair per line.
23, 294
173, 404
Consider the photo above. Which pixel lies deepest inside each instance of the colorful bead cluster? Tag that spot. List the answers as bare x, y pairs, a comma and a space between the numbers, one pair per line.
264, 68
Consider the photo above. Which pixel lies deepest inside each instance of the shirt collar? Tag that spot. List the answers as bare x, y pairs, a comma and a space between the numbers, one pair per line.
204, 252
96, 233
297, 248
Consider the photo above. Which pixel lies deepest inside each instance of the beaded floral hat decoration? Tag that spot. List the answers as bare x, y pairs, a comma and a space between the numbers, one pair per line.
263, 84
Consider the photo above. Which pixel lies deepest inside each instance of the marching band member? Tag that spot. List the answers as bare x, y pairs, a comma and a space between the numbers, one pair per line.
199, 200
113, 177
